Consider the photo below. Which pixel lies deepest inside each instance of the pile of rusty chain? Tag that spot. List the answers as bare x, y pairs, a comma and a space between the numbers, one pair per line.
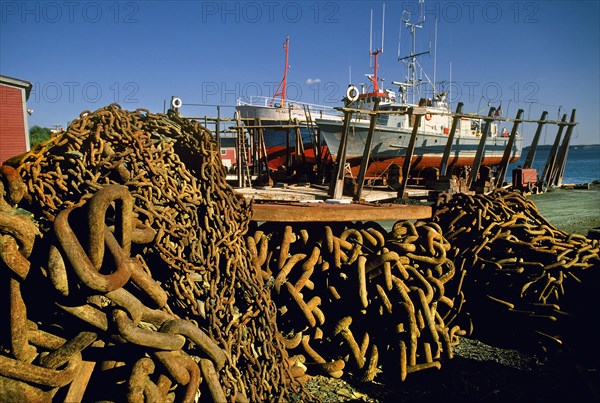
527, 282
353, 297
172, 169
39, 347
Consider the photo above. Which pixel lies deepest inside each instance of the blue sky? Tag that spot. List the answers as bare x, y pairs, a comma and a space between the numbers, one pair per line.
533, 55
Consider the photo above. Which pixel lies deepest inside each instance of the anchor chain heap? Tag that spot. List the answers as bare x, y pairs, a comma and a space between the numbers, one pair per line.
354, 297
43, 360
527, 282
178, 253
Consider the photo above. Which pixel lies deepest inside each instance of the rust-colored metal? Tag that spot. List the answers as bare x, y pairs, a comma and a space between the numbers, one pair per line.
521, 268
145, 244
173, 282
380, 293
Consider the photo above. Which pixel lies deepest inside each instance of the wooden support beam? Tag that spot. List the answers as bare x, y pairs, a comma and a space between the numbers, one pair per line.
480, 149
300, 152
218, 128
534, 143
508, 150
448, 149
261, 126
559, 167
262, 149
549, 167
330, 212
288, 143
367, 152
238, 150
336, 187
418, 113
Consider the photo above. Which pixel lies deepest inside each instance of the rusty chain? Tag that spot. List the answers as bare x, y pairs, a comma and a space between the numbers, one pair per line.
158, 288
184, 255
528, 281
346, 293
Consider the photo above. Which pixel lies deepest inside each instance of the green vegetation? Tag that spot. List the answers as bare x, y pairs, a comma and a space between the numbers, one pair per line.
38, 134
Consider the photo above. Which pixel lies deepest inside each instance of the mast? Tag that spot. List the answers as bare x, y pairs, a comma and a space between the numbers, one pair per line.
281, 90
435, 58
450, 87
412, 82
375, 53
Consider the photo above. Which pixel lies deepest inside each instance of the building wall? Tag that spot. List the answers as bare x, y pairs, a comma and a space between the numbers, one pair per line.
228, 157
14, 139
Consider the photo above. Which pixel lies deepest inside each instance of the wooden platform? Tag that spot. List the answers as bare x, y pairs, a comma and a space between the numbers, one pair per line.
337, 212
296, 193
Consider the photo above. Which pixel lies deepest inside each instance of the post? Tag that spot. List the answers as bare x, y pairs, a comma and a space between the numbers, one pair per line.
254, 149
288, 143
448, 149
410, 150
262, 148
508, 150
300, 154
536, 138
559, 167
480, 149
238, 150
367, 152
549, 167
312, 135
336, 187
218, 127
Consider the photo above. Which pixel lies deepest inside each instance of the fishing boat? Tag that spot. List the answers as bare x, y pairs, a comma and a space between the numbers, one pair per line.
289, 133
394, 126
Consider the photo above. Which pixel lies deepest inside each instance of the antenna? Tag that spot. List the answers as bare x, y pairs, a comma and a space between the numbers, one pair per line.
435, 58
382, 27
399, 37
450, 88
371, 34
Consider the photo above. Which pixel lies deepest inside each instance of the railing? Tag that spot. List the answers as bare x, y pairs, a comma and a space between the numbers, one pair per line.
314, 108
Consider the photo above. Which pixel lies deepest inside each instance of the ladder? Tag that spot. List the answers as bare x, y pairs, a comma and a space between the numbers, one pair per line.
243, 171
310, 125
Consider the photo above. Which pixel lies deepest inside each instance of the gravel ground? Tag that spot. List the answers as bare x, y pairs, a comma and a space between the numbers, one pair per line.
571, 210
485, 373
477, 373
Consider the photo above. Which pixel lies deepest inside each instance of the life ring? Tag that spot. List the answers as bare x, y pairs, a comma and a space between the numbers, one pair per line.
352, 93
176, 102
428, 116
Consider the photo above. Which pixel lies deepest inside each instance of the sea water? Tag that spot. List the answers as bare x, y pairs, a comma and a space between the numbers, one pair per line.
583, 164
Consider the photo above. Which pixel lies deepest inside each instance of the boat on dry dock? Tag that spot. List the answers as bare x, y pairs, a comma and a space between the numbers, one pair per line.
395, 123
280, 117
393, 132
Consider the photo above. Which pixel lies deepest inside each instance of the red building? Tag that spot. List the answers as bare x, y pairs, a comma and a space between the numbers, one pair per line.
14, 130
228, 155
